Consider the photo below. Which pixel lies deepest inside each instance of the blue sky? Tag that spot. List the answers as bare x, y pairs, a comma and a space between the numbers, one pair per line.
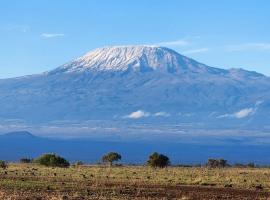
39, 35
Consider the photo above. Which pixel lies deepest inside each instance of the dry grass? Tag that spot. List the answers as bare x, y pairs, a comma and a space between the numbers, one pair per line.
100, 182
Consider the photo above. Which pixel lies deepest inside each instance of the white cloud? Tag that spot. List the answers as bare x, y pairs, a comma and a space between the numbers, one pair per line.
138, 114
248, 47
246, 112
193, 51
52, 35
141, 113
162, 114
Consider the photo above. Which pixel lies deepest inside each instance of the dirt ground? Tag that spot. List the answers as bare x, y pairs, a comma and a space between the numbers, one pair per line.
33, 182
139, 192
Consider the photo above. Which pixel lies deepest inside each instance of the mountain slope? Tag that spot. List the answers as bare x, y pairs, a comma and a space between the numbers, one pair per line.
142, 83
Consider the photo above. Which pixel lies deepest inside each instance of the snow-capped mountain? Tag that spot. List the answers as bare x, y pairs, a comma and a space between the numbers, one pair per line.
138, 83
133, 58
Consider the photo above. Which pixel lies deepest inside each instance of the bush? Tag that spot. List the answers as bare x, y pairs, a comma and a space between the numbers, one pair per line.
158, 160
111, 157
3, 164
214, 163
26, 160
52, 160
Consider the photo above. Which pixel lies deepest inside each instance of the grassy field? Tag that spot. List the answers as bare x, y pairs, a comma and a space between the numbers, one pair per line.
29, 181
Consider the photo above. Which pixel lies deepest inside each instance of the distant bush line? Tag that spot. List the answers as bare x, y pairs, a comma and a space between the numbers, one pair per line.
155, 160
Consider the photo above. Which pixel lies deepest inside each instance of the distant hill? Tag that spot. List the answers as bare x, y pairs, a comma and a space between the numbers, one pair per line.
18, 135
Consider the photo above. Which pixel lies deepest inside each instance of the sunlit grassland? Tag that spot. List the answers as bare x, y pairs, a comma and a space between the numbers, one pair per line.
30, 176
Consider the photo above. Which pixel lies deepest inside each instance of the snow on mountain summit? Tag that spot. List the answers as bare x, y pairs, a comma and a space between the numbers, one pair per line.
135, 58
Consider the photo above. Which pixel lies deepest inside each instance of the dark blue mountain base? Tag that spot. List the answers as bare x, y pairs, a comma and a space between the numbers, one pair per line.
15, 146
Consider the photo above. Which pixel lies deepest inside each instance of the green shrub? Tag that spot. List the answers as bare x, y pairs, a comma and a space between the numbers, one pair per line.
111, 157
52, 160
3, 164
158, 160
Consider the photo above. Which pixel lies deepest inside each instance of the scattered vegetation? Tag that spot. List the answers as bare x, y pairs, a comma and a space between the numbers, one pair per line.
3, 164
49, 177
134, 182
158, 160
111, 158
52, 160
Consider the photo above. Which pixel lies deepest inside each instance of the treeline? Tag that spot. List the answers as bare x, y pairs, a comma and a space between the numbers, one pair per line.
155, 160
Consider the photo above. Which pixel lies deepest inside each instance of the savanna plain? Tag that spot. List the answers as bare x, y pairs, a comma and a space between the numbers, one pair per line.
34, 182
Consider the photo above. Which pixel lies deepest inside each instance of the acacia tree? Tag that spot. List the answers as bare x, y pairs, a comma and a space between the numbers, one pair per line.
111, 157
158, 160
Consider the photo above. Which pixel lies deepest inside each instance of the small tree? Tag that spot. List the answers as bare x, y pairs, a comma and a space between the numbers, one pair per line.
158, 160
111, 157
52, 160
214, 163
3, 164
